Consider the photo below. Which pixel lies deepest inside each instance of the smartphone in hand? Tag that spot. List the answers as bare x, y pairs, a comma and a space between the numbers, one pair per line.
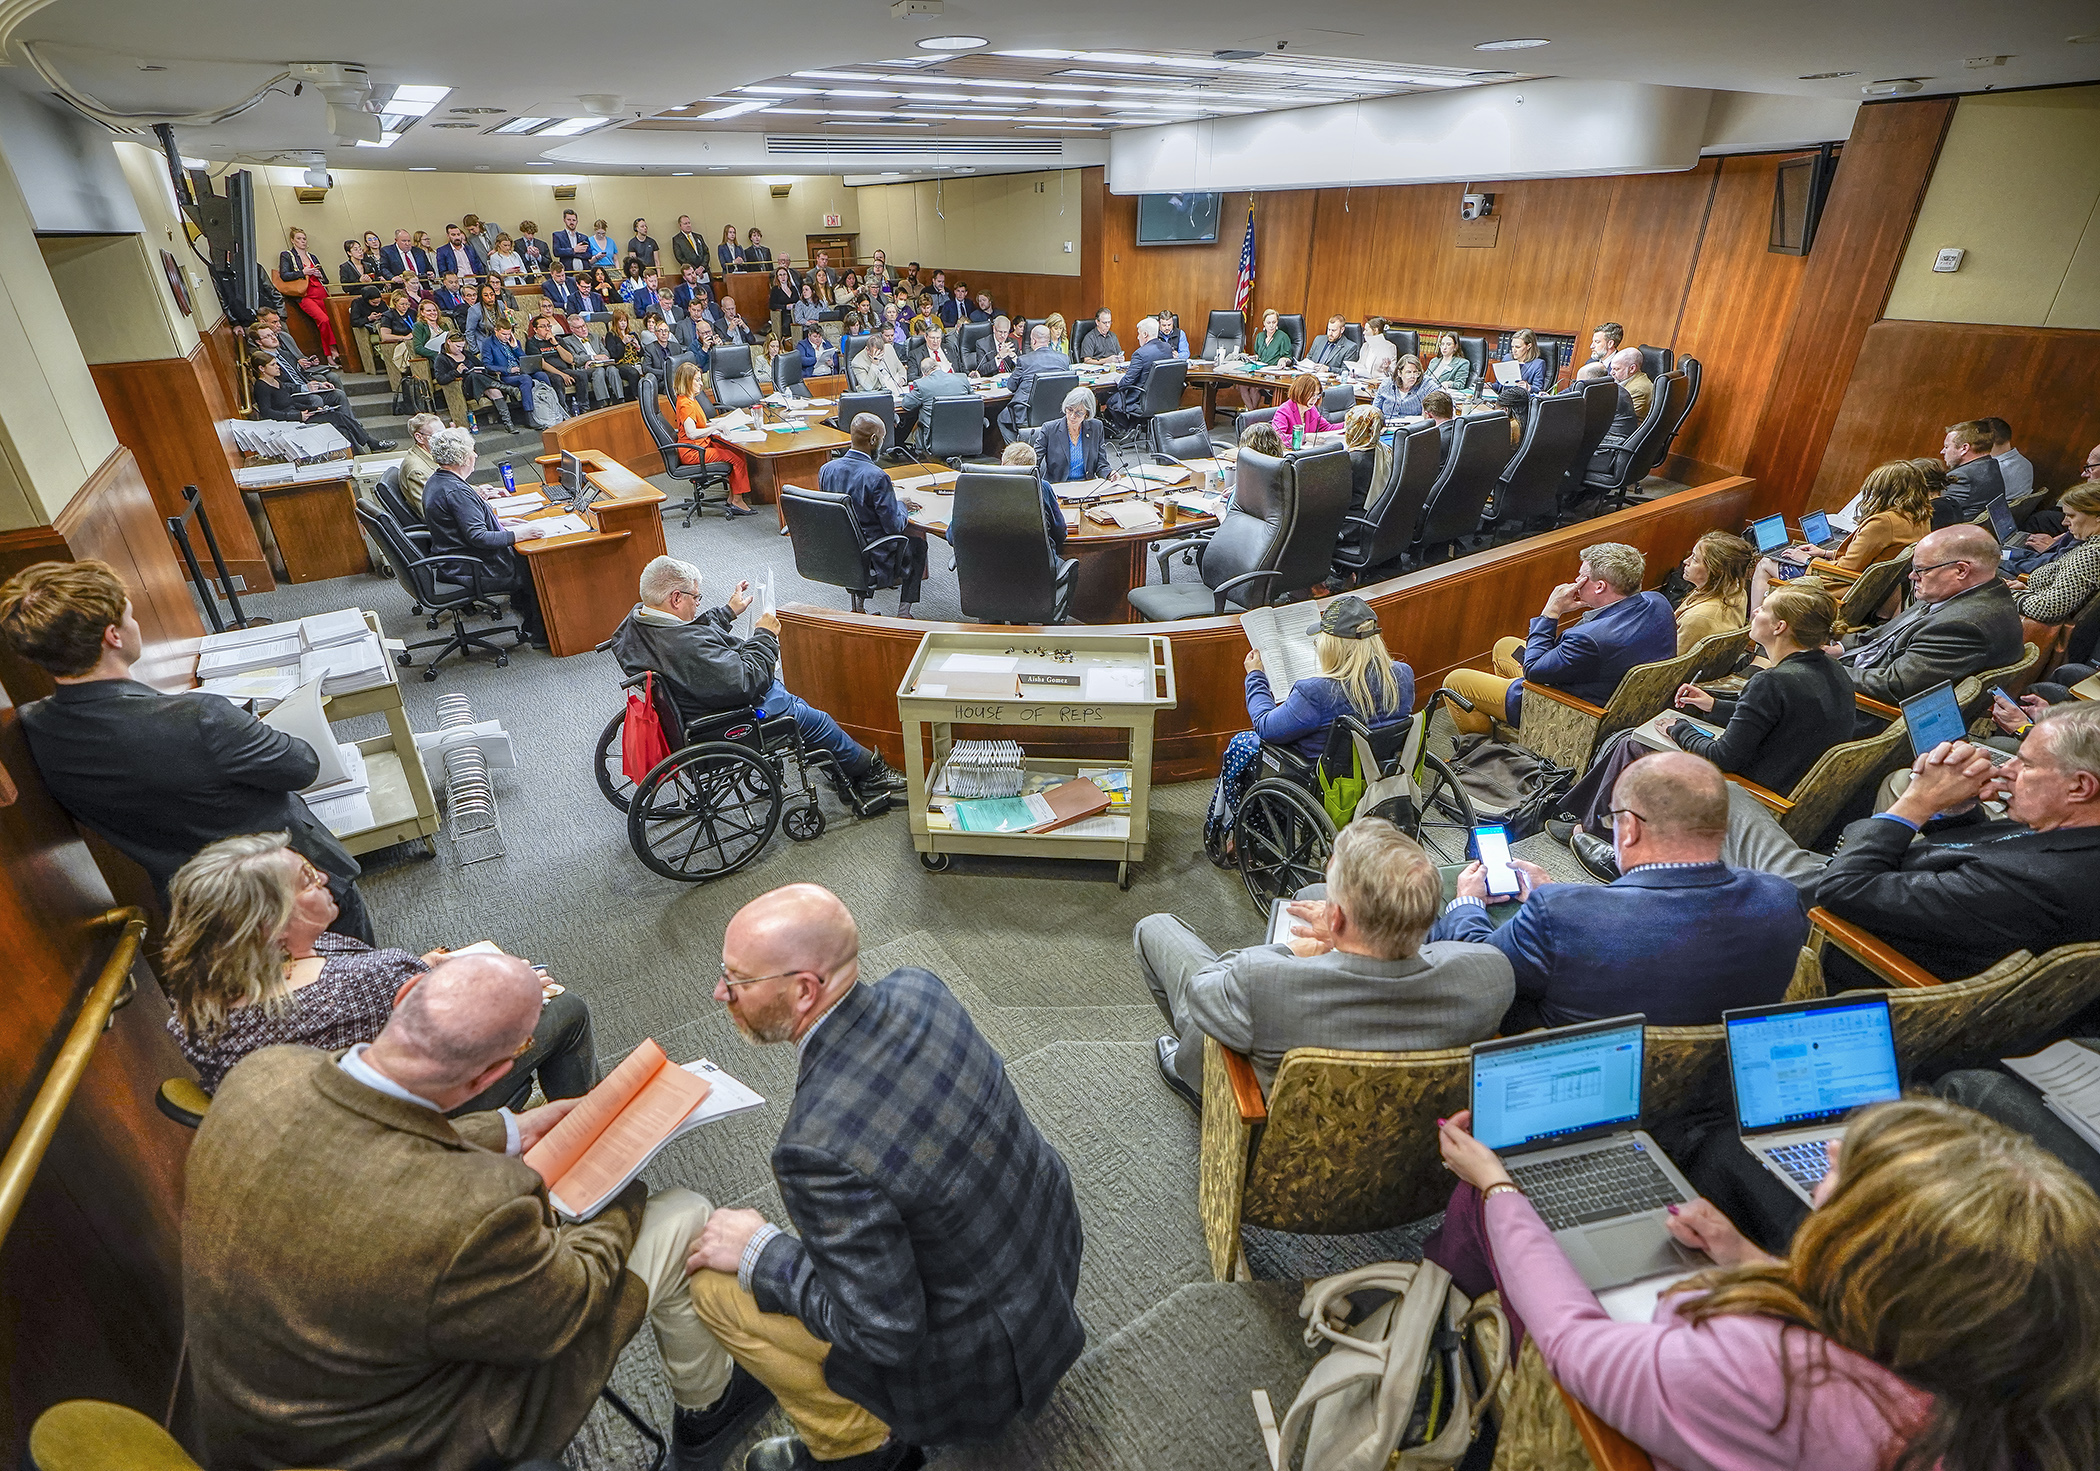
1492, 843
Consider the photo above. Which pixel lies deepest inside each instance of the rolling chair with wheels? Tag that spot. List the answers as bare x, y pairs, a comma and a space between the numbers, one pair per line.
1238, 561
1180, 435
1529, 486
1618, 468
1385, 529
1004, 568
1292, 324
1474, 351
733, 379
697, 478
1407, 342
850, 346
1161, 393
447, 584
1227, 330
1323, 479
828, 545
1336, 400
1248, 418
953, 428
388, 492
1694, 373
1479, 450
974, 335
1046, 399
1600, 405
883, 407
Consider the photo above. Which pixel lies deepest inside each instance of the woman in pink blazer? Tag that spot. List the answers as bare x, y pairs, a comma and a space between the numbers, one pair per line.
1299, 411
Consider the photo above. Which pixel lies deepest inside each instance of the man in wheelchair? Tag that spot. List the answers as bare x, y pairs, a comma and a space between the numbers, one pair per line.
709, 670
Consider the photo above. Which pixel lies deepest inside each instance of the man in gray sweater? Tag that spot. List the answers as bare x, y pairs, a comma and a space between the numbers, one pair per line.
1357, 976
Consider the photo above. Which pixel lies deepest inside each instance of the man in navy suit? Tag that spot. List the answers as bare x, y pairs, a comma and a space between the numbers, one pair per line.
873, 496
572, 247
935, 1258
1130, 388
560, 292
1679, 935
403, 258
460, 256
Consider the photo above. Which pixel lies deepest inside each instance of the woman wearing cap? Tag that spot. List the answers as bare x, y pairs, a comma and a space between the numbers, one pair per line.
1357, 677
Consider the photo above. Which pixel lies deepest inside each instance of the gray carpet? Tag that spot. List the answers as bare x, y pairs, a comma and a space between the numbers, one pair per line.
1038, 951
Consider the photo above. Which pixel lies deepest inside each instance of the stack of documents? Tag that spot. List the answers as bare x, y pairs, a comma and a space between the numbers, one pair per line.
344, 807
2068, 1076
265, 688
343, 626
564, 525
246, 650
983, 769
276, 439
346, 668
517, 505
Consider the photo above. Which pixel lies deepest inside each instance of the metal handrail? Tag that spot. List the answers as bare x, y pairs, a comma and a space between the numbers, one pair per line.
26, 1152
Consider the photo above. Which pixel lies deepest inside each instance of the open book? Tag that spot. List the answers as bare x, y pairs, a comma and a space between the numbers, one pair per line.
1286, 649
624, 1122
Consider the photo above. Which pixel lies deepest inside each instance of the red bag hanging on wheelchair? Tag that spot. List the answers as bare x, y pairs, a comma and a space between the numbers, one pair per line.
642, 744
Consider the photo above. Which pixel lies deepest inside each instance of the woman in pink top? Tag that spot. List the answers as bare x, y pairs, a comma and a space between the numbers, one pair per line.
1940, 1311
1298, 410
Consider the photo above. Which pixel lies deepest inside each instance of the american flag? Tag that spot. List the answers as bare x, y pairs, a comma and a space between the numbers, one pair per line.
1245, 293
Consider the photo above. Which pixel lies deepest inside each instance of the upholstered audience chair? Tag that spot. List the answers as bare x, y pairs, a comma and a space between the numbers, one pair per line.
1826, 786
2048, 994
1345, 1142
1567, 730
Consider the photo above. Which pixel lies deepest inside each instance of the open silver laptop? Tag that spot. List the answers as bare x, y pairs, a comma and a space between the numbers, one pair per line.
1561, 1107
1798, 1069
1932, 717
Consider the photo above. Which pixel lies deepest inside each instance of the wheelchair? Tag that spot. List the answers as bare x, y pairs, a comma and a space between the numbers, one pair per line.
710, 807
1282, 834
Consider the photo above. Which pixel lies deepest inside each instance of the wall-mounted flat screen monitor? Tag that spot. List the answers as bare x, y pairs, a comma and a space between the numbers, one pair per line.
1177, 219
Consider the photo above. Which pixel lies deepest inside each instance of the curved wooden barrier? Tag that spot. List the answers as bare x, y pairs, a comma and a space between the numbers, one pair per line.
1439, 619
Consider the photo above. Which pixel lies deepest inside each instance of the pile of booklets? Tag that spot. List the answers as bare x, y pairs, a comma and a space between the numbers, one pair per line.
277, 439
266, 664
983, 769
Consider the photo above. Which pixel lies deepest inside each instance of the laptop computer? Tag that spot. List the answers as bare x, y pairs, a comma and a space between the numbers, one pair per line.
1768, 533
1560, 1107
2002, 524
1798, 1069
1931, 716
1817, 532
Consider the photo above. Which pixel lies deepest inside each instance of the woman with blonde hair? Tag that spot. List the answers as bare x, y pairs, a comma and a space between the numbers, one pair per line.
1718, 567
1524, 352
1938, 1310
1357, 677
250, 962
1059, 337
1360, 431
1894, 507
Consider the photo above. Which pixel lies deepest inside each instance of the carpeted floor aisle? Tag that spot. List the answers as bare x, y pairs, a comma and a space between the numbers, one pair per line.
1038, 951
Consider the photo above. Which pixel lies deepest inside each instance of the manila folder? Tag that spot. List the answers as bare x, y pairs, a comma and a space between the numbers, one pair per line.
615, 1130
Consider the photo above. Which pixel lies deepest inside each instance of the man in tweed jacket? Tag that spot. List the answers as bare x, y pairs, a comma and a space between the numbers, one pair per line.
928, 1295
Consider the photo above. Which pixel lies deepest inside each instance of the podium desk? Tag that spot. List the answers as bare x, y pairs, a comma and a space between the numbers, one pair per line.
791, 458
314, 526
588, 581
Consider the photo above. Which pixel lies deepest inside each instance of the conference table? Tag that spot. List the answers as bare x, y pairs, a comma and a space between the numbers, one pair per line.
797, 443
587, 581
1112, 559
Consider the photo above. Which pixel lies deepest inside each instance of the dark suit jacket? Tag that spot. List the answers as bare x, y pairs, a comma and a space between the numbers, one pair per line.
688, 249
875, 506
732, 256
949, 350
1972, 631
565, 297
455, 1329
923, 390
1680, 944
572, 248
461, 523
417, 262
1130, 388
1331, 354
1590, 659
1781, 724
985, 359
1970, 488
466, 260
161, 775
1054, 452
1030, 366
1968, 892
939, 1239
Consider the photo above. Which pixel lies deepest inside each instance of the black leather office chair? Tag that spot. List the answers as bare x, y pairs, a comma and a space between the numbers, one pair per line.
974, 336
1180, 435
1324, 481
1385, 528
1617, 468
389, 494
1694, 372
828, 544
953, 429
787, 374
1227, 330
850, 348
1082, 341
1528, 489
1600, 405
881, 405
1474, 351
448, 584
1238, 561
1479, 450
1046, 398
696, 478
1004, 569
1406, 341
1293, 324
1353, 334
1656, 361
1248, 418
734, 381
1164, 386
1336, 400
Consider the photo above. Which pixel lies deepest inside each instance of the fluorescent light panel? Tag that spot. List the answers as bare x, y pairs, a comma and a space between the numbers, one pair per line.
523, 125
734, 109
569, 127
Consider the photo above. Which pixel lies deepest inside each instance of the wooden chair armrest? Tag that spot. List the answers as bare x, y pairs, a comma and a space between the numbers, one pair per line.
1562, 697
1608, 1449
1246, 1088
1771, 799
1875, 954
1872, 706
1831, 571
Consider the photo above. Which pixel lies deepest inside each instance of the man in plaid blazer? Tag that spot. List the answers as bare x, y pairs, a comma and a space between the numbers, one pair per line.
927, 1296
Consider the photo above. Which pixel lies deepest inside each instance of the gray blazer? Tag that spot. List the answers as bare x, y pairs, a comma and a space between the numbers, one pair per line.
1972, 631
1264, 1001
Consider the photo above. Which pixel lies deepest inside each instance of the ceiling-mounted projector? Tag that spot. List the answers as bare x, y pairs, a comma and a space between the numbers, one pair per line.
353, 125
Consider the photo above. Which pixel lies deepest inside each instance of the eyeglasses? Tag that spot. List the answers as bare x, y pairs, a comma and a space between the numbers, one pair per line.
1918, 572
1624, 812
734, 981
311, 877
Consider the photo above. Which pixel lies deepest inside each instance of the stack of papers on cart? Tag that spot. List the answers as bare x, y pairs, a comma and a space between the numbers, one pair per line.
343, 626
244, 650
344, 669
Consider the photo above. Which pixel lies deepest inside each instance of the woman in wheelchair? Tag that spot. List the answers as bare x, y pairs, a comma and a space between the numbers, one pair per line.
710, 670
1357, 677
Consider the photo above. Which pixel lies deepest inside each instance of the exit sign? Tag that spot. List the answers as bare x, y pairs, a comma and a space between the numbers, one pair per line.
831, 222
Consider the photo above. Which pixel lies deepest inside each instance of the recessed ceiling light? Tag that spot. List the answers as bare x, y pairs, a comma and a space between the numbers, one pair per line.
1825, 76
735, 109
1522, 44
523, 125
422, 168
953, 43
539, 163
681, 173
569, 127
476, 111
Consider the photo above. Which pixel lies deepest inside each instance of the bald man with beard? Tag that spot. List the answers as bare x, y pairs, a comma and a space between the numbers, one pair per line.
926, 1295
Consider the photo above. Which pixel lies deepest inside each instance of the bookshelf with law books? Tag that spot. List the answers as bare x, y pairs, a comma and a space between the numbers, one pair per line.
975, 789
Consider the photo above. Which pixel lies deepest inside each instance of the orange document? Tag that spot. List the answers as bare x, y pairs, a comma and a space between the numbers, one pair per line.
615, 1131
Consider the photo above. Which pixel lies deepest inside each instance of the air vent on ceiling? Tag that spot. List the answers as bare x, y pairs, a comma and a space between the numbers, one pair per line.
785, 145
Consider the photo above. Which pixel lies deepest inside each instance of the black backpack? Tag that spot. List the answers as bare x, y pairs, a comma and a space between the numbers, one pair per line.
1509, 785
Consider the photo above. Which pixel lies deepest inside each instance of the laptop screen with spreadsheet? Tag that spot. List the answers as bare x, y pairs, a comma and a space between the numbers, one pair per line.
1554, 1087
1809, 1062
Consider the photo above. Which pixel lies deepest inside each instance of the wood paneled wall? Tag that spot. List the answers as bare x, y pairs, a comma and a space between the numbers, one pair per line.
1859, 245
1441, 619
1913, 379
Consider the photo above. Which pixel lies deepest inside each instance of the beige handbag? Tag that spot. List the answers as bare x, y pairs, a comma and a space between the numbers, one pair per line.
1401, 1380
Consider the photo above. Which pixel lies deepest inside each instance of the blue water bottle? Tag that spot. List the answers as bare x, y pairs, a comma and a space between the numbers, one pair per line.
510, 480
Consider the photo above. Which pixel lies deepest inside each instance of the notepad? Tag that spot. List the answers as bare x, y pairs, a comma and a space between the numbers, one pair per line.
980, 664
1118, 684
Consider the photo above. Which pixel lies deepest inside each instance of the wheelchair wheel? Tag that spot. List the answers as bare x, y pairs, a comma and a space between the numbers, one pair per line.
1281, 837
704, 812
1444, 819
612, 776
804, 823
